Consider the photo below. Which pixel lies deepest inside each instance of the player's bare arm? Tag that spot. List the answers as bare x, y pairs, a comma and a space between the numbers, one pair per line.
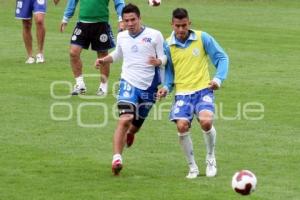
214, 85
161, 93
122, 26
154, 61
63, 26
101, 61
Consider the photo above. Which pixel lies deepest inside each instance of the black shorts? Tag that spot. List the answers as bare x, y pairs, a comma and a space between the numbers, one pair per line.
99, 35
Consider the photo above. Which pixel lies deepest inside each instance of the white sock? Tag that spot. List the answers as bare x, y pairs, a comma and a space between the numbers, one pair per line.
117, 157
104, 86
187, 146
210, 141
79, 80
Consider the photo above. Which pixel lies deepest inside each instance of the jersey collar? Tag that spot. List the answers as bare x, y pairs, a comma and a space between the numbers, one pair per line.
174, 41
139, 33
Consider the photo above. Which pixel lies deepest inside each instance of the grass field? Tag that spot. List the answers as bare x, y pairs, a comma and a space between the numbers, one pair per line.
44, 158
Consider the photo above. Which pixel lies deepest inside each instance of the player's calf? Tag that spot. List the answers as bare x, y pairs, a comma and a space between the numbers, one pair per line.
129, 139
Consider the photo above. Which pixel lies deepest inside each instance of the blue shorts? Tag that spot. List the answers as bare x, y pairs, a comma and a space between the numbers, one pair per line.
186, 106
25, 8
142, 101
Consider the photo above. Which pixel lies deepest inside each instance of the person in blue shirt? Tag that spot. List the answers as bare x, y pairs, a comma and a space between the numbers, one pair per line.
92, 29
187, 71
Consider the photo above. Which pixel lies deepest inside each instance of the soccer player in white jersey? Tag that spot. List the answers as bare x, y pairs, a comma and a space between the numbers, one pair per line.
141, 49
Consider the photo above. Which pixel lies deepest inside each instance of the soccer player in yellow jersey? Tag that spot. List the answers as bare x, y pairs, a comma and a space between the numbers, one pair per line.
187, 70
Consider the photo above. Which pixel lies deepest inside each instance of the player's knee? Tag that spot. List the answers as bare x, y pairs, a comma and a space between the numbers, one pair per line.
39, 22
74, 54
39, 19
182, 126
206, 120
206, 124
27, 25
125, 120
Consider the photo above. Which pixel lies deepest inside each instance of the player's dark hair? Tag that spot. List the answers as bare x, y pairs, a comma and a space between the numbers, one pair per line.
180, 13
131, 8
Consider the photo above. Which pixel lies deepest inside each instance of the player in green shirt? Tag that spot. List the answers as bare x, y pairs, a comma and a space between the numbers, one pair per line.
92, 29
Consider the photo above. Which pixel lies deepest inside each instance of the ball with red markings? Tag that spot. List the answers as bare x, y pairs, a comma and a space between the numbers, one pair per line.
244, 182
154, 2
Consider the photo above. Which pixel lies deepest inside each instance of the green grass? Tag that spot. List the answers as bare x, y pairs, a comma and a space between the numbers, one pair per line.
46, 159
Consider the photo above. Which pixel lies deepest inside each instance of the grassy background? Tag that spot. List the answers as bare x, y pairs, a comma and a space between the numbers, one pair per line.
41, 158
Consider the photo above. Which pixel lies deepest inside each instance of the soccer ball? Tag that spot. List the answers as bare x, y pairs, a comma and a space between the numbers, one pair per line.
154, 2
244, 182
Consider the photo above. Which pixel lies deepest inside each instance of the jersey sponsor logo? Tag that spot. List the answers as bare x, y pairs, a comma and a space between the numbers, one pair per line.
18, 10
146, 40
103, 37
134, 49
196, 52
207, 98
41, 2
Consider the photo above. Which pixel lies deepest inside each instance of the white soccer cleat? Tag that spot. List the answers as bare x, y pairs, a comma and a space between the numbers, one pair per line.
40, 58
100, 92
30, 60
193, 173
211, 167
79, 89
